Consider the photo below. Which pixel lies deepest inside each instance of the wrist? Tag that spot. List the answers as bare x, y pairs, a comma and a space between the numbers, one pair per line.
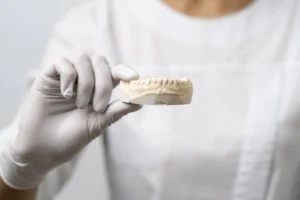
7, 192
19, 176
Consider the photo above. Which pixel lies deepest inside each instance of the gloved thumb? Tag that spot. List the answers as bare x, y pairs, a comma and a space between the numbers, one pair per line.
116, 110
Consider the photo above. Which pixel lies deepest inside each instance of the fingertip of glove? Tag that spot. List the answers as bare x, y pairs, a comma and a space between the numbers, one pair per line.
99, 108
68, 94
122, 107
125, 73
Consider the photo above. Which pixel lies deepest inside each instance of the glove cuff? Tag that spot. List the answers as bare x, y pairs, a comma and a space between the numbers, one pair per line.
16, 175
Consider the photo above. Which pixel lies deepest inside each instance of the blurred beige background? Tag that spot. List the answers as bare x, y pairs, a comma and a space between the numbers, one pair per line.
24, 29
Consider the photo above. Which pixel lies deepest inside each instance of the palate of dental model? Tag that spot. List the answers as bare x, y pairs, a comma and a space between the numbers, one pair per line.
157, 91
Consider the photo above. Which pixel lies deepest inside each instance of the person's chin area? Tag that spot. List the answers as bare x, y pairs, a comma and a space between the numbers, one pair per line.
208, 8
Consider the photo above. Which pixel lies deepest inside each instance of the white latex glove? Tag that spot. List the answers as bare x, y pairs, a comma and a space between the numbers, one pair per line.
66, 109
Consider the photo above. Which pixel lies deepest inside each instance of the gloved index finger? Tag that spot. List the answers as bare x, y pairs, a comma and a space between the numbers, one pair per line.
123, 73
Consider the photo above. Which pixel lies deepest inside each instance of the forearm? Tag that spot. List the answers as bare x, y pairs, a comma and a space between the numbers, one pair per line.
7, 192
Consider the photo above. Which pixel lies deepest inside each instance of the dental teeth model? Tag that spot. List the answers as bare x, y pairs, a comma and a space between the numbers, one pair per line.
157, 91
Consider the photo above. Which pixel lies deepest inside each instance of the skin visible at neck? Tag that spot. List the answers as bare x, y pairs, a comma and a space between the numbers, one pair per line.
208, 8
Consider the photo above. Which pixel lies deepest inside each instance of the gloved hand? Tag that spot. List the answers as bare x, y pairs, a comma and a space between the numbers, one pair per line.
66, 109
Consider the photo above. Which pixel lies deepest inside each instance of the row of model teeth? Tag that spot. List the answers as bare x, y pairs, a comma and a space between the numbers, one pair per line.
161, 81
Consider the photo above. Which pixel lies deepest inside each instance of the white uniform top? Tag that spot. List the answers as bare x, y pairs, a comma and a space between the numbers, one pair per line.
238, 140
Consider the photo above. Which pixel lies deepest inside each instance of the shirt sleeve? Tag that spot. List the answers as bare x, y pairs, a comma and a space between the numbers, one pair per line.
71, 36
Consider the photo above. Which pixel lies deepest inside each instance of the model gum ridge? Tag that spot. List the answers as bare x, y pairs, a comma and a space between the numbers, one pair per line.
156, 86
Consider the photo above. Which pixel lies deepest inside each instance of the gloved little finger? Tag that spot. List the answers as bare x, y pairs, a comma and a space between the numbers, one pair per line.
64, 70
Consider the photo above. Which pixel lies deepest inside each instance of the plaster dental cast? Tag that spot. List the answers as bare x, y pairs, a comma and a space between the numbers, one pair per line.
155, 91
